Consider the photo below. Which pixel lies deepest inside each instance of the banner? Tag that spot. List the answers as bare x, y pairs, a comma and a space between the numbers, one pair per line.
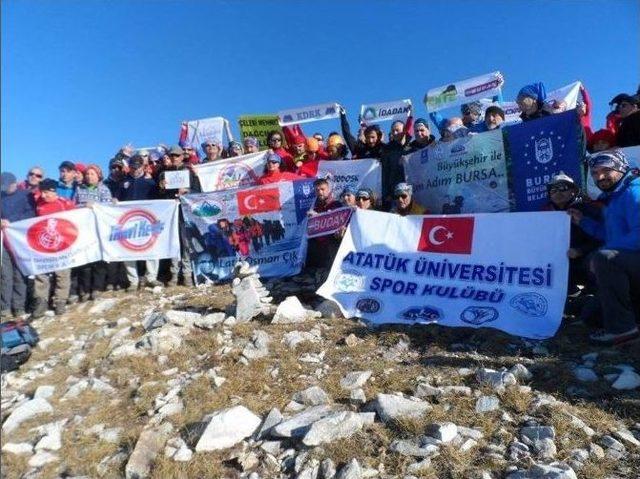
467, 175
237, 172
205, 129
258, 126
308, 114
357, 173
328, 223
540, 149
633, 155
138, 230
465, 91
391, 110
54, 242
454, 270
264, 225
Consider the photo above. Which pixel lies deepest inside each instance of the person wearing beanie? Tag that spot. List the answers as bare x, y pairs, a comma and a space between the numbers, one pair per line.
531, 100
629, 129
212, 150
273, 174
276, 145
365, 199
51, 202
348, 196
298, 145
404, 203
563, 193
601, 140
471, 114
616, 265
234, 149
68, 183
251, 145
422, 135
15, 205
493, 118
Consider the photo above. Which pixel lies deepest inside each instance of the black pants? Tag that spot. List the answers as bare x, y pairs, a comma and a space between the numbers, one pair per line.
14, 285
92, 277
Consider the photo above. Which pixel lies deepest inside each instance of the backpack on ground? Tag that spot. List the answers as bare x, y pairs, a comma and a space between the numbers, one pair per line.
16, 340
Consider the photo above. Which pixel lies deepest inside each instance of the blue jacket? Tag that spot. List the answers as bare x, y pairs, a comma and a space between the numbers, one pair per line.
621, 227
137, 189
65, 191
17, 206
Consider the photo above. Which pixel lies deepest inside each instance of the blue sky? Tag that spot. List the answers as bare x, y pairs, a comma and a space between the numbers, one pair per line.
80, 78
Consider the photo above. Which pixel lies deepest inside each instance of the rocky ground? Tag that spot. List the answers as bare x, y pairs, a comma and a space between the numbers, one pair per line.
256, 382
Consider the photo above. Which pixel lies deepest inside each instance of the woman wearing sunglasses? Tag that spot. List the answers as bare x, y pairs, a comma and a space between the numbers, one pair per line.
31, 183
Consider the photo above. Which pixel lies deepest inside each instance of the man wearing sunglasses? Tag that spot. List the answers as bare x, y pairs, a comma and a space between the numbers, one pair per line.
564, 194
616, 265
32, 181
276, 144
404, 204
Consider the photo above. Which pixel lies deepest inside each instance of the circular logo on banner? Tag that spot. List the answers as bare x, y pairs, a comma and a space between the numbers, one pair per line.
52, 235
236, 175
137, 230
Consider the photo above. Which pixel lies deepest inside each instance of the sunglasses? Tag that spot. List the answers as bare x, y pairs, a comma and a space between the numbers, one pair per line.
37, 175
403, 196
363, 198
274, 162
559, 189
116, 167
276, 139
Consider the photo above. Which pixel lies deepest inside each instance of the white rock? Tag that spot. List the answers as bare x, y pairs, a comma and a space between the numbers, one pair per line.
103, 306
313, 396
355, 380
391, 407
273, 418
444, 432
520, 372
20, 448
291, 311
357, 396
42, 458
26, 411
335, 426
351, 470
627, 380
329, 309
44, 392
183, 455
149, 444
182, 318
626, 437
52, 440
299, 424
209, 321
227, 428
585, 374
487, 403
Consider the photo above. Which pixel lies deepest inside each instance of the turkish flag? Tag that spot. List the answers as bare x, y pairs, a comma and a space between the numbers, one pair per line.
447, 235
255, 201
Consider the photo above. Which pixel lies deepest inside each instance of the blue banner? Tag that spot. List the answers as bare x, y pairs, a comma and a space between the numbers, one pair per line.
538, 150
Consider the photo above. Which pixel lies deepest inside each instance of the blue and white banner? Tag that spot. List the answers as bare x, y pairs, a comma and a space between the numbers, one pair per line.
264, 225
308, 114
229, 173
538, 150
138, 230
387, 111
212, 129
454, 270
465, 91
467, 175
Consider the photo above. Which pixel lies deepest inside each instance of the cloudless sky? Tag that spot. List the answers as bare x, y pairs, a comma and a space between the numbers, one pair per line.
80, 78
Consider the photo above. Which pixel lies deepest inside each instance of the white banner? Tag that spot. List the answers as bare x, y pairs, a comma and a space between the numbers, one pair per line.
454, 270
357, 173
207, 129
237, 172
465, 91
138, 230
308, 114
633, 155
54, 242
391, 110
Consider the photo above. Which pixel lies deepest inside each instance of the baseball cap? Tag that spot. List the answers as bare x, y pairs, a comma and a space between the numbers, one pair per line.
176, 150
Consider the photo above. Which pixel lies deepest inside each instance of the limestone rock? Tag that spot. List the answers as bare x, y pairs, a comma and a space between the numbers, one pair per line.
299, 424
444, 432
313, 396
627, 380
26, 411
391, 407
335, 426
355, 380
227, 428
291, 311
487, 404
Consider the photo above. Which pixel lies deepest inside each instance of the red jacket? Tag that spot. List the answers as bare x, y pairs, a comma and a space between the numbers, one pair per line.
46, 208
276, 177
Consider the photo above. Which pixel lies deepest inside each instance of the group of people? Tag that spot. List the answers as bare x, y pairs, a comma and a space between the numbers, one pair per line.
605, 237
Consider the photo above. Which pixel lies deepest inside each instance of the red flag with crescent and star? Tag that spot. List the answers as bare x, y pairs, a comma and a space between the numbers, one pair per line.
255, 201
447, 235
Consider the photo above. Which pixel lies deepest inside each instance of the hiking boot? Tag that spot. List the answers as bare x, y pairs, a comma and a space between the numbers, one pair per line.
60, 307
152, 283
611, 339
39, 309
73, 299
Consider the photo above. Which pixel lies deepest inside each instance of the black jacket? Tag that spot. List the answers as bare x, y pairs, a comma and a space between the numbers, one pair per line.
629, 131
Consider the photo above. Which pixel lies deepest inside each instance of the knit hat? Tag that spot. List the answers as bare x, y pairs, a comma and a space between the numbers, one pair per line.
349, 190
298, 140
536, 91
81, 167
561, 178
494, 110
403, 188
473, 107
7, 180
614, 159
273, 158
97, 169
364, 193
234, 144
252, 141
48, 184
312, 145
421, 121
603, 135
136, 162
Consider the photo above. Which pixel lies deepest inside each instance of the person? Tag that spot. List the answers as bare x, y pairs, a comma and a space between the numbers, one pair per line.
629, 129
336, 149
392, 169
298, 146
212, 150
91, 277
404, 204
471, 114
601, 140
322, 250
15, 205
422, 135
348, 196
369, 145
182, 264
50, 202
584, 108
272, 173
67, 184
137, 187
234, 149
454, 129
116, 175
616, 265
189, 153
251, 145
80, 170
563, 193
274, 141
320, 138
365, 199
32, 181
531, 102
493, 118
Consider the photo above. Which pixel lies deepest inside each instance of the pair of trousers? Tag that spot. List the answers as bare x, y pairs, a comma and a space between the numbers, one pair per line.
617, 275
61, 289
183, 263
14, 285
92, 277
151, 273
